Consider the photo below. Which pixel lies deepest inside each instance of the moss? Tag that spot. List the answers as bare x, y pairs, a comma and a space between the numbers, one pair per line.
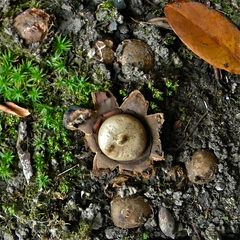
229, 10
47, 85
84, 231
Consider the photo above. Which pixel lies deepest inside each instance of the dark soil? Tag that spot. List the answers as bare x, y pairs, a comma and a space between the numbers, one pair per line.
202, 113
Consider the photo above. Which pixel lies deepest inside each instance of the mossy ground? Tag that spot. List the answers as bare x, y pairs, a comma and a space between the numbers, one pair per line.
49, 78
46, 84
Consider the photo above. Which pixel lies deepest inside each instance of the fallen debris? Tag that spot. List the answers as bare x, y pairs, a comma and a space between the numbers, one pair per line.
22, 151
14, 109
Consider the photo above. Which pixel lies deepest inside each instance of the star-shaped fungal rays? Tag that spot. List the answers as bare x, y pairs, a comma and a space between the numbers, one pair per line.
122, 137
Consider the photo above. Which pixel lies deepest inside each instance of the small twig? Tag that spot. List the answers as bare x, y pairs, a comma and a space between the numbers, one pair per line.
69, 169
158, 21
195, 230
185, 129
191, 133
14, 109
149, 2
206, 106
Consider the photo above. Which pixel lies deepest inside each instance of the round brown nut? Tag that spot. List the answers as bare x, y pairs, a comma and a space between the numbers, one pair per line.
32, 25
202, 167
122, 137
136, 53
130, 212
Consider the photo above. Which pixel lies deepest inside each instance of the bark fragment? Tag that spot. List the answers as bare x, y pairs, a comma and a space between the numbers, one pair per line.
22, 151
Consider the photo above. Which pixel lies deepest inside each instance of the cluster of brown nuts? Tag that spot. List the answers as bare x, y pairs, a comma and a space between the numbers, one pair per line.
130, 52
199, 170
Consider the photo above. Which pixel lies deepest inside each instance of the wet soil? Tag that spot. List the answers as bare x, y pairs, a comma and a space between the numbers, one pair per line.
203, 113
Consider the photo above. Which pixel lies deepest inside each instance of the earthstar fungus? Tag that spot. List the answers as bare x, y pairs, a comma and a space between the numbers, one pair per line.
121, 136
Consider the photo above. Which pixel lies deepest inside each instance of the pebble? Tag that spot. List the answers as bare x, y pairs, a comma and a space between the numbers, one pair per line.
7, 236
32, 25
119, 4
238, 116
166, 222
176, 197
156, 1
112, 26
123, 29
220, 168
150, 224
97, 221
115, 233
22, 233
109, 233
220, 186
136, 7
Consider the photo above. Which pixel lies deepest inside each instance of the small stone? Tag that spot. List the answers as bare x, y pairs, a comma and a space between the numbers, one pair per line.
166, 222
97, 221
123, 29
136, 7
177, 197
156, 1
220, 186
119, 4
109, 233
22, 233
115, 233
112, 26
22, 151
150, 224
237, 116
177, 174
7, 236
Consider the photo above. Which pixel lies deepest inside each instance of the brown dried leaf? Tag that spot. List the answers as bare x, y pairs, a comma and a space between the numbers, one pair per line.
207, 33
14, 109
